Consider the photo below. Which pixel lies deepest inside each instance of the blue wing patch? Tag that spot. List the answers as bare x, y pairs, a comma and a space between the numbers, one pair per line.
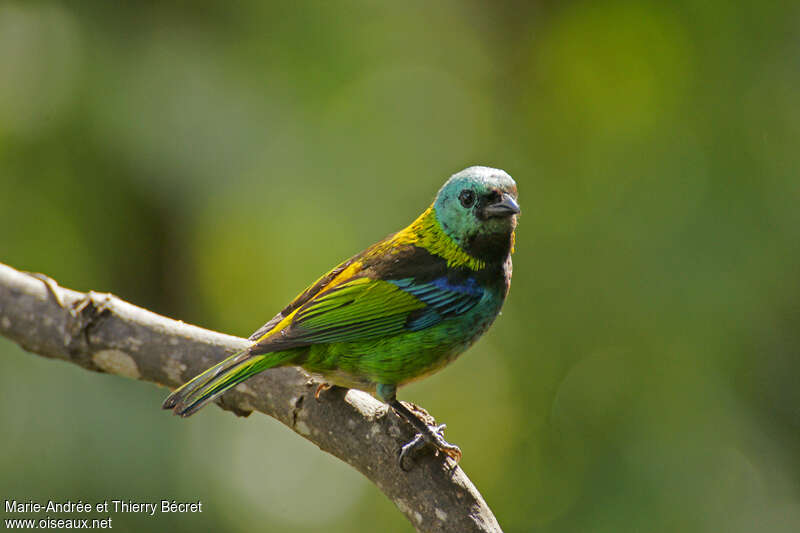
442, 298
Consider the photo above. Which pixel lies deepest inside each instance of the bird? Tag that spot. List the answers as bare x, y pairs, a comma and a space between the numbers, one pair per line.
394, 313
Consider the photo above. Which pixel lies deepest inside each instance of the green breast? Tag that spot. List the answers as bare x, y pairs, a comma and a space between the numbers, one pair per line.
402, 358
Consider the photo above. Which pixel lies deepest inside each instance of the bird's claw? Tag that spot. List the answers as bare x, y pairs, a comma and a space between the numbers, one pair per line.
436, 439
320, 388
409, 449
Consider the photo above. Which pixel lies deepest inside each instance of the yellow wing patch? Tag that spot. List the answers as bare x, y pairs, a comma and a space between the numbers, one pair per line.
344, 275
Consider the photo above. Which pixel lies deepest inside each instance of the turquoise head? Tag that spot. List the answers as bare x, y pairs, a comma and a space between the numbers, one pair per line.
477, 208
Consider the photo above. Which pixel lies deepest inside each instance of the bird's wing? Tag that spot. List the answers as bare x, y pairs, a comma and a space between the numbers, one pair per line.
365, 308
326, 281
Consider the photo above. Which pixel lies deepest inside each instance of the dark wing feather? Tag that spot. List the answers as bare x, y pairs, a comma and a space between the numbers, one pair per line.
442, 298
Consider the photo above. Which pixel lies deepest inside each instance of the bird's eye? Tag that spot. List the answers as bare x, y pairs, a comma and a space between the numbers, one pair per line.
467, 198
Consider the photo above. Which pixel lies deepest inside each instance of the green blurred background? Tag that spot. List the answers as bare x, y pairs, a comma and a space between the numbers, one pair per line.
207, 159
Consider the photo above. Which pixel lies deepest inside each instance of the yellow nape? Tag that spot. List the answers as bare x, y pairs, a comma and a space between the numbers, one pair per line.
426, 232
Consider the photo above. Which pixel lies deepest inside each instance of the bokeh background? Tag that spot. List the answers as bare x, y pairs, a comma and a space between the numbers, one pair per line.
207, 159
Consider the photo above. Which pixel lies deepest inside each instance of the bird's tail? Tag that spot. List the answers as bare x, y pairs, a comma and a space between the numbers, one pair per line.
206, 387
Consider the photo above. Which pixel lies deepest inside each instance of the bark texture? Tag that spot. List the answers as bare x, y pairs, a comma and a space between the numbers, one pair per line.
100, 332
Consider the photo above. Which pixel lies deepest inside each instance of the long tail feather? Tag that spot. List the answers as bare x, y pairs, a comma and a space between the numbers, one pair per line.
208, 392
208, 386
184, 390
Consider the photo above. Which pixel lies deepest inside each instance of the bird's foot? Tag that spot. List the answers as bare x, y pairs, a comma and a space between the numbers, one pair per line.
428, 433
321, 388
434, 436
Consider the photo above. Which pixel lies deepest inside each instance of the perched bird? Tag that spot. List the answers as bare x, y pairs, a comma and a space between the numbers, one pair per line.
398, 311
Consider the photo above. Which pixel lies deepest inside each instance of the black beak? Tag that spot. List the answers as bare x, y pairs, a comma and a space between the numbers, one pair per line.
506, 207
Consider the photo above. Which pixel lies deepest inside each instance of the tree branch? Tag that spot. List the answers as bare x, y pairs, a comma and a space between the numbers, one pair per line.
100, 332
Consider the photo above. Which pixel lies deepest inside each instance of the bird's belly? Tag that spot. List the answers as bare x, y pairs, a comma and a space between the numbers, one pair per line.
398, 359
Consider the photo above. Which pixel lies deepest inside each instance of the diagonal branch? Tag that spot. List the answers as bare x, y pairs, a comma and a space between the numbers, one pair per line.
100, 332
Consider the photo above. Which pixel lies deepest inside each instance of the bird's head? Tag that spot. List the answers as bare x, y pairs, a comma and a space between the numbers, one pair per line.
478, 209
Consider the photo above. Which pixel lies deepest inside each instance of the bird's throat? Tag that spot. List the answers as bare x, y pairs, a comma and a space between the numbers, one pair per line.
491, 248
